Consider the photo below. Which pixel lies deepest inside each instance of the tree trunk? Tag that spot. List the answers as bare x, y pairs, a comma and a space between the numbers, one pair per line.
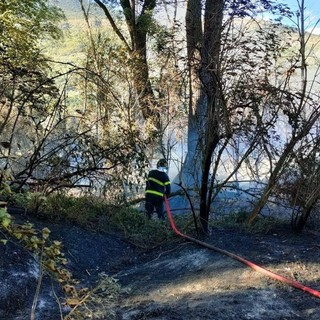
138, 27
191, 170
302, 220
205, 96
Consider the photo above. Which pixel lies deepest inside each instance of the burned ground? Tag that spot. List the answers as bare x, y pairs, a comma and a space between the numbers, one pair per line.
180, 280
191, 282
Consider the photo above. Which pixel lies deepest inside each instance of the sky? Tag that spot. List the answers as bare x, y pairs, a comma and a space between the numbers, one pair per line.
312, 12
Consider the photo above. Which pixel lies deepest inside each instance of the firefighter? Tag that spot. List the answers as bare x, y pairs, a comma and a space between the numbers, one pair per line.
157, 185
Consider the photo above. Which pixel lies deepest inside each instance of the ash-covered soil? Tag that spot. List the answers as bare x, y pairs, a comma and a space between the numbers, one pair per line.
181, 280
191, 282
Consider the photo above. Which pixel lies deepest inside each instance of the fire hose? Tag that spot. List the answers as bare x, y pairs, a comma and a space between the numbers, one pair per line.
252, 265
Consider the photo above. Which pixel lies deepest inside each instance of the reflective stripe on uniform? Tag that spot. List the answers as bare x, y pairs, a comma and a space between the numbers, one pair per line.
156, 181
155, 192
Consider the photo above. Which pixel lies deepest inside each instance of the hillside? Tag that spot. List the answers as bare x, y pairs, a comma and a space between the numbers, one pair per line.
75, 35
72, 47
71, 8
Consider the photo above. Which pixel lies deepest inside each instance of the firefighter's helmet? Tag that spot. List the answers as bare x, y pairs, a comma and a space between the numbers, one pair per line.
162, 163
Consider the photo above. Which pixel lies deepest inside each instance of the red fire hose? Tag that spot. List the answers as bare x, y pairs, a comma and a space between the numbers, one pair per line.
252, 265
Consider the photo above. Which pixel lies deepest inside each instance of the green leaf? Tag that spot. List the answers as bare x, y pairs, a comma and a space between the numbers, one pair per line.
4, 213
5, 218
4, 241
5, 222
45, 233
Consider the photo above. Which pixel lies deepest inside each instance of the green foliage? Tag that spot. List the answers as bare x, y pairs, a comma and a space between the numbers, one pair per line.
231, 220
139, 230
146, 233
26, 92
30, 201
5, 218
89, 211
23, 23
96, 214
239, 220
5, 178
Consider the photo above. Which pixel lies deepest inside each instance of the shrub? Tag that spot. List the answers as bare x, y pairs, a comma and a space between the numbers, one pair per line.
139, 230
96, 214
239, 220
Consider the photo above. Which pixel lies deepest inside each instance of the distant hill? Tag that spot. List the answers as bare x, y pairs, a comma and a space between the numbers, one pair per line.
76, 33
70, 7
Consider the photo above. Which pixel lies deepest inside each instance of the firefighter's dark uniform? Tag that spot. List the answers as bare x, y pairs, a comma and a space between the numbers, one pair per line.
158, 185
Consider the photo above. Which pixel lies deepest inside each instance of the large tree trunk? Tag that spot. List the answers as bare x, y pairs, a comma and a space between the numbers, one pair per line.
210, 77
191, 171
205, 95
138, 27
